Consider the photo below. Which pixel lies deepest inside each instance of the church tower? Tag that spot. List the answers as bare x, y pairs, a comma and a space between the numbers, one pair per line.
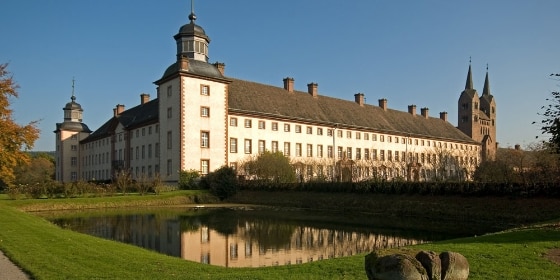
477, 116
68, 136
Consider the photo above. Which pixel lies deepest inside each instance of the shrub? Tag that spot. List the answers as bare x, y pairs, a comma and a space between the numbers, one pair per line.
189, 179
221, 183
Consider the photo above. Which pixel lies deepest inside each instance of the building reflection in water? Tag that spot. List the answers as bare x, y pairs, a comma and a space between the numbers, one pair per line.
234, 240
306, 244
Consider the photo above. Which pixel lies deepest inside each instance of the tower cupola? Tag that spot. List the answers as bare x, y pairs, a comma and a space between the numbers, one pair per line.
73, 111
192, 41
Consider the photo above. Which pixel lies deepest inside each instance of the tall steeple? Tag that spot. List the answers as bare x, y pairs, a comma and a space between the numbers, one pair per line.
469, 83
486, 90
192, 41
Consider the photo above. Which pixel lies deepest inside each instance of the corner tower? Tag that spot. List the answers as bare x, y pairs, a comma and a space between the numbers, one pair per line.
68, 136
477, 116
192, 96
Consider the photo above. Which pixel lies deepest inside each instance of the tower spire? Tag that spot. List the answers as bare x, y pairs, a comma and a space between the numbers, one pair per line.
486, 90
469, 84
73, 96
192, 16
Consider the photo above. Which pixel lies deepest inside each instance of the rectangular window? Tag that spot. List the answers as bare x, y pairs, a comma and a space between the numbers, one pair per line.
274, 126
274, 147
389, 139
358, 153
233, 145
309, 130
366, 136
137, 152
149, 130
169, 91
74, 137
169, 167
298, 128
205, 139
204, 166
149, 150
390, 155
137, 133
320, 150
262, 147
233, 165
349, 152
374, 137
248, 123
248, 146
358, 135
381, 138
339, 133
298, 149
319, 131
348, 134
329, 132
382, 155
396, 156
374, 154
204, 112
286, 127
309, 150
169, 140
262, 125
204, 90
169, 112
143, 151
287, 148
339, 152
233, 121
329, 151
156, 148
74, 147
366, 153
74, 161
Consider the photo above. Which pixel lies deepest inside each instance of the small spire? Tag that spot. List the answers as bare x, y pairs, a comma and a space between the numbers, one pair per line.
486, 90
73, 96
469, 83
192, 16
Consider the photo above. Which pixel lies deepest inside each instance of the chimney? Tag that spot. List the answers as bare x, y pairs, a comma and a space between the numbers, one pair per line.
359, 98
118, 110
144, 98
312, 89
221, 67
183, 63
424, 111
383, 104
443, 116
289, 84
412, 109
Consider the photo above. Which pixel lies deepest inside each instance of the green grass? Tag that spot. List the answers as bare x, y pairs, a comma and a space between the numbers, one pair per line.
49, 252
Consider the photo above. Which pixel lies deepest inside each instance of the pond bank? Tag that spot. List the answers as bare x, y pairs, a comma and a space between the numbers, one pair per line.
500, 212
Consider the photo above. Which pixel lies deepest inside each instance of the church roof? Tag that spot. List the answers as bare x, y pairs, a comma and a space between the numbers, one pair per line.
247, 97
199, 68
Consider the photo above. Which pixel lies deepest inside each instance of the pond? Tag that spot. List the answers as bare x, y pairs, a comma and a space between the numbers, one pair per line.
246, 236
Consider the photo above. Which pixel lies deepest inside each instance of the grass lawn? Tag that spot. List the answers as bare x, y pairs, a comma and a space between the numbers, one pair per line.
48, 252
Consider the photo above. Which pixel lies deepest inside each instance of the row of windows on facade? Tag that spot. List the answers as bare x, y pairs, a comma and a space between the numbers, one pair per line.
368, 154
120, 137
358, 135
465, 119
106, 174
103, 158
466, 107
204, 90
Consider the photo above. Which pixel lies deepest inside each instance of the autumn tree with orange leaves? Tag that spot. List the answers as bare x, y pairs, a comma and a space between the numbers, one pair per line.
14, 138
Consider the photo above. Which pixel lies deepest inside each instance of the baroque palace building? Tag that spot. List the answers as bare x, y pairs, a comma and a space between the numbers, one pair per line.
202, 119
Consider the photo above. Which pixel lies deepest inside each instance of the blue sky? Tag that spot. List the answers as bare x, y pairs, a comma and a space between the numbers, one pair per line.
410, 52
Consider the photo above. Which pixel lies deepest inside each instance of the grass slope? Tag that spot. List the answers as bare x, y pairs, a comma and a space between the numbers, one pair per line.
49, 252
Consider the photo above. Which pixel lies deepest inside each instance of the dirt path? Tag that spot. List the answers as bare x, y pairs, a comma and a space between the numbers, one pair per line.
8, 270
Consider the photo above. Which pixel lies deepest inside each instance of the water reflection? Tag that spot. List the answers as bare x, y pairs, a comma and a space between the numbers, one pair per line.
237, 238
